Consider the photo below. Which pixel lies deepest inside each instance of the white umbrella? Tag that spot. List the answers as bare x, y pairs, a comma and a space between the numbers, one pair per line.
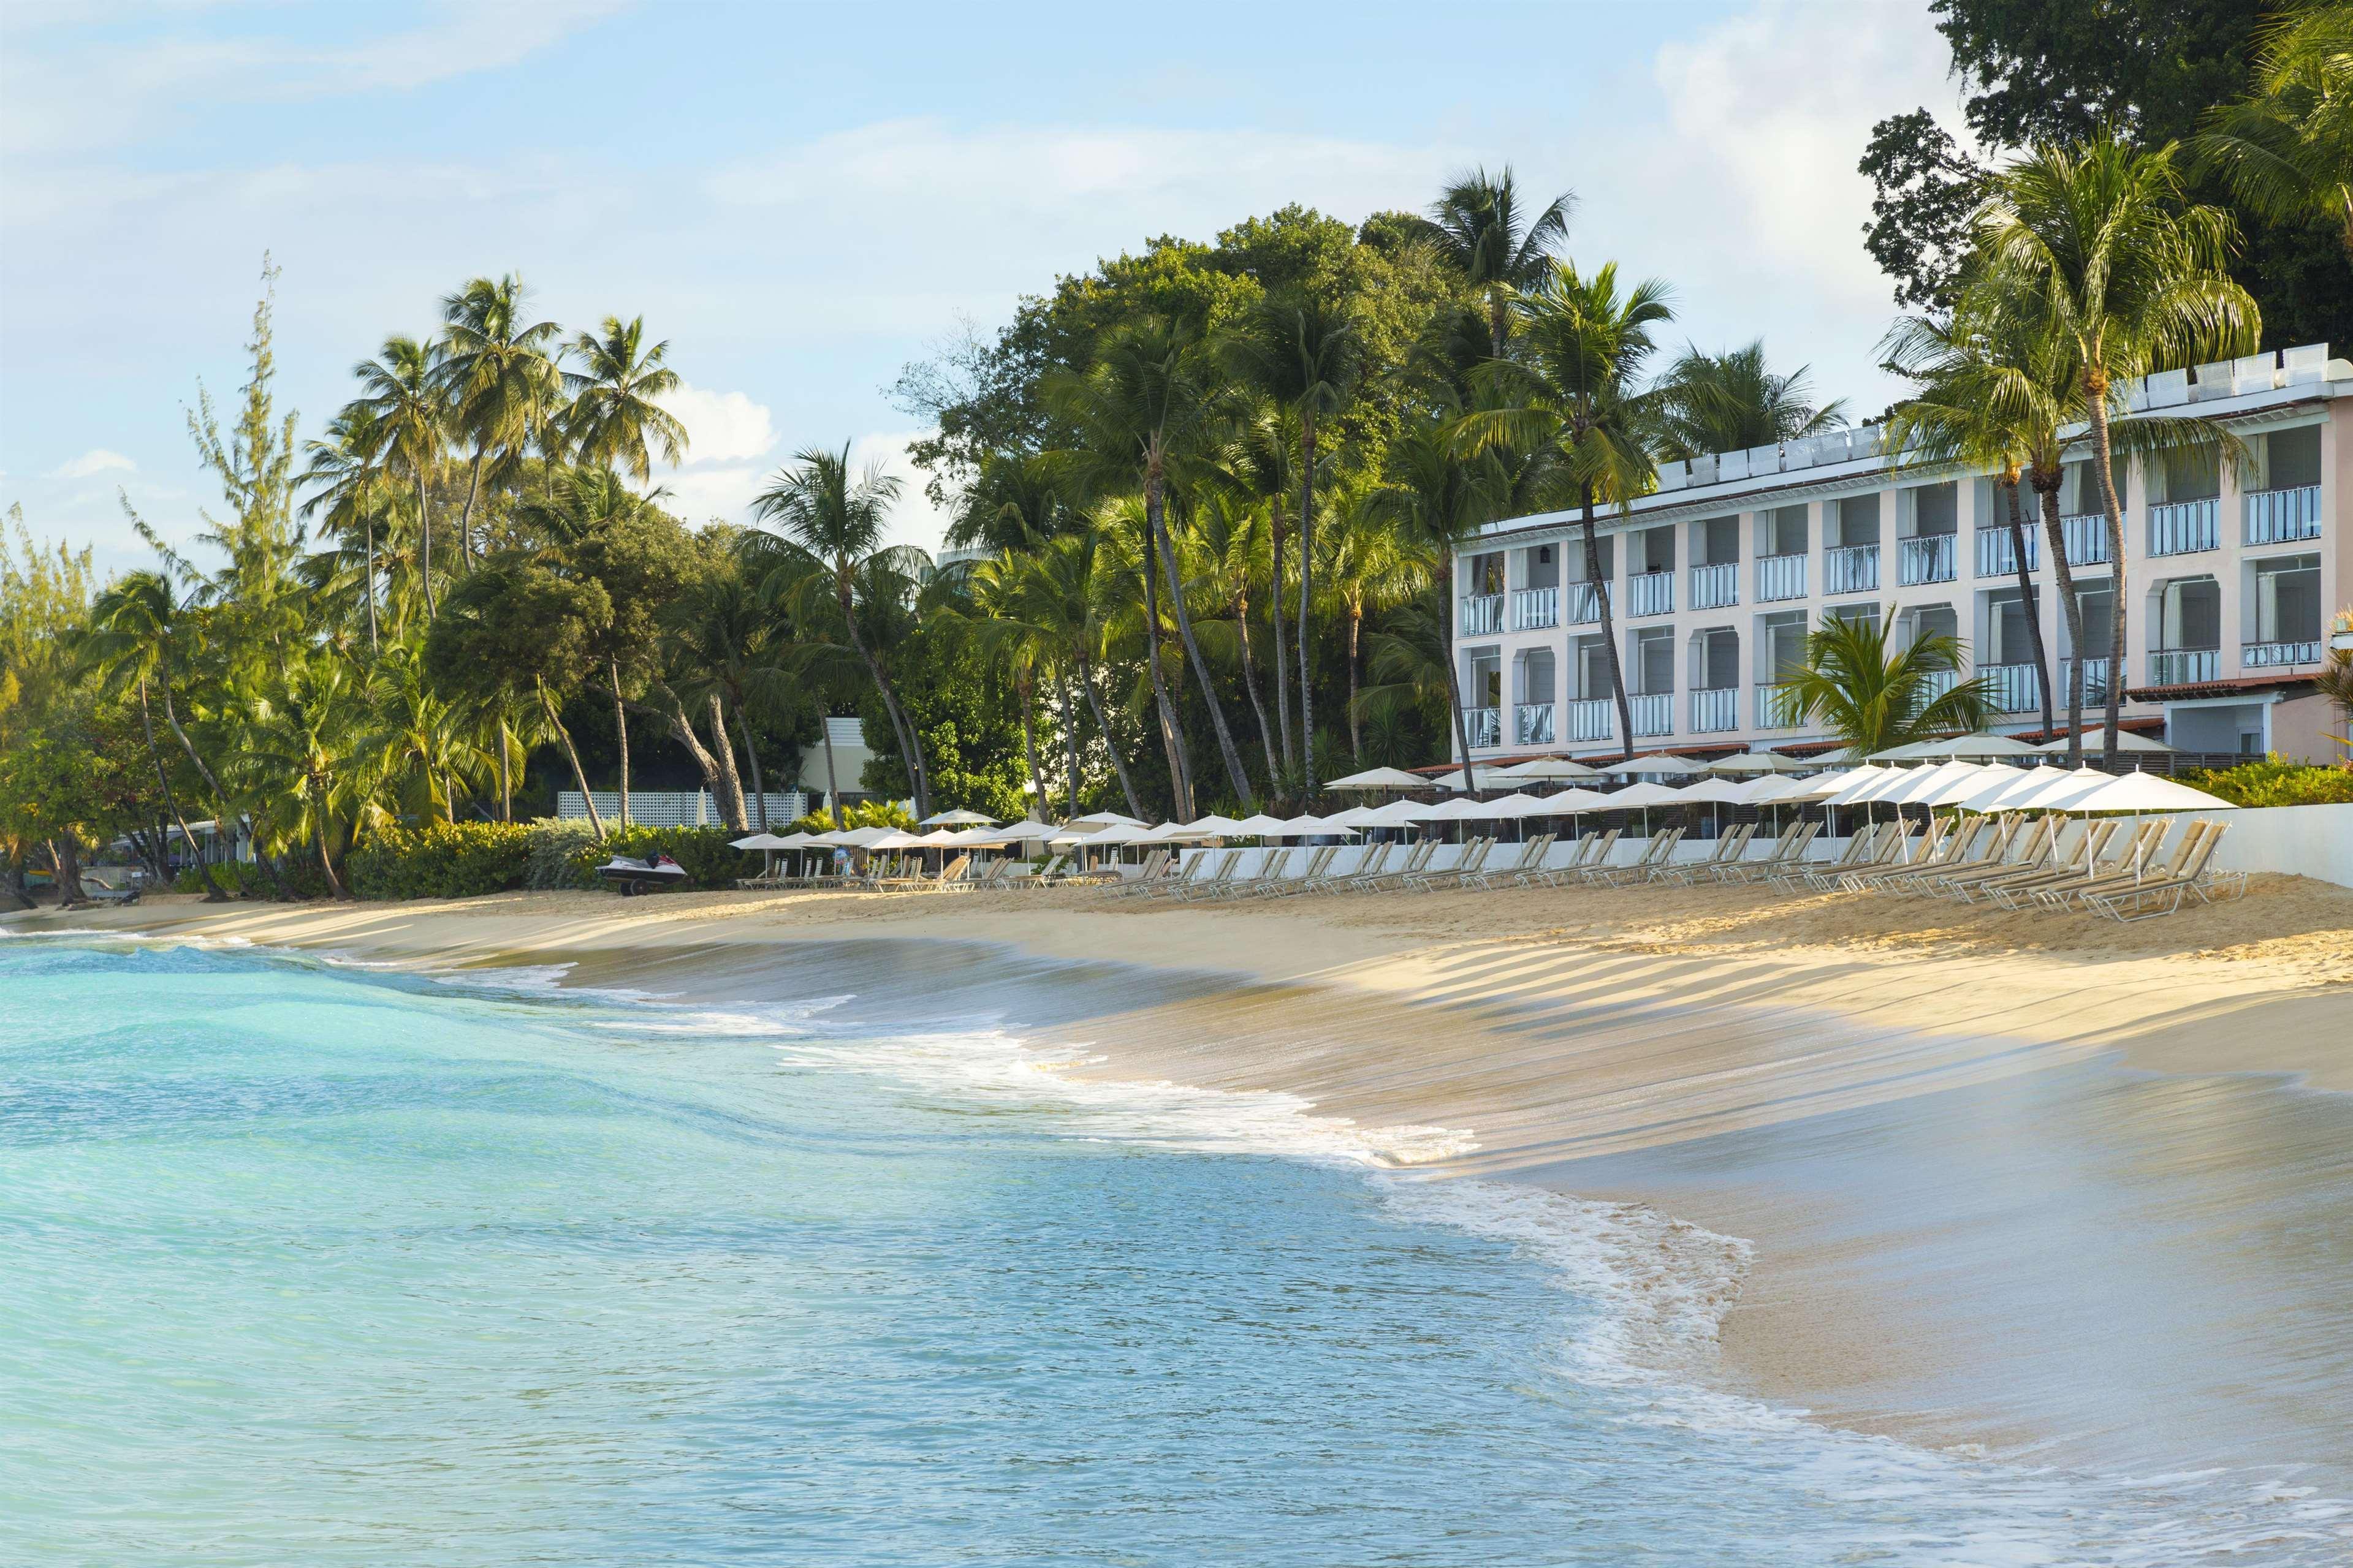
2140, 792
1984, 743
758, 841
1453, 781
1397, 814
1910, 788
1716, 793
1641, 797
893, 839
956, 818
1104, 819
1354, 817
1215, 825
1457, 810
1393, 781
1310, 827
2126, 741
1960, 789
942, 837
1176, 833
2057, 791
1659, 764
1836, 788
1755, 762
1772, 789
1544, 768
1908, 752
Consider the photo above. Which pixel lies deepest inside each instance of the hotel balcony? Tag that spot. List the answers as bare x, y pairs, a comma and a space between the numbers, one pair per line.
1486, 726
2185, 527
1850, 569
2284, 517
1780, 577
1776, 709
1654, 712
2012, 687
2087, 539
1713, 712
1483, 613
1585, 603
1716, 587
1651, 594
2277, 655
2184, 666
1532, 724
1595, 719
1998, 553
1925, 558
1533, 609
2096, 681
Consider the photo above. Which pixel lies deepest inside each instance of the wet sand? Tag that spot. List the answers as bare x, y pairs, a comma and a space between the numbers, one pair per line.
2028, 1182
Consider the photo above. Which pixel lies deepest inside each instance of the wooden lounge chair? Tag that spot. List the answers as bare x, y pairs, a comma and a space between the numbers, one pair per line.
1789, 851
1318, 863
2029, 847
1371, 863
1728, 851
1416, 860
1592, 857
1155, 866
1186, 873
1272, 867
1944, 846
1475, 856
2192, 872
2135, 860
1657, 853
1885, 851
1207, 886
1531, 856
1860, 846
2058, 867
1981, 842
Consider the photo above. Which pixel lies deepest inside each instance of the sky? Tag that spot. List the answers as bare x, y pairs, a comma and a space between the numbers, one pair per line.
803, 198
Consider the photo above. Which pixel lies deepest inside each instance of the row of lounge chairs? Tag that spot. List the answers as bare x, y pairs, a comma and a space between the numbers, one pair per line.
2110, 869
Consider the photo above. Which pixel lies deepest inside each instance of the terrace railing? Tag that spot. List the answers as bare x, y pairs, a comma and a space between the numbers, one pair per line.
1482, 614
2185, 527
1654, 712
2184, 665
1850, 569
1716, 587
1716, 711
1780, 577
1486, 726
1532, 724
2012, 687
1536, 608
2087, 539
1924, 558
2284, 516
1651, 594
1584, 604
2096, 681
1998, 553
1776, 709
1592, 719
2277, 655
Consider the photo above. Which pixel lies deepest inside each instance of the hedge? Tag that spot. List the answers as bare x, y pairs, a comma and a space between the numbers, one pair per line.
2272, 782
466, 859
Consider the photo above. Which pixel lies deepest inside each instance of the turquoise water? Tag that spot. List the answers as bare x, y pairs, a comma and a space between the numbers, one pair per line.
309, 1265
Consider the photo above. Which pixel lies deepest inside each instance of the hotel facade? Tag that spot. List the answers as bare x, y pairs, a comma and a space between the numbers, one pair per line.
2231, 582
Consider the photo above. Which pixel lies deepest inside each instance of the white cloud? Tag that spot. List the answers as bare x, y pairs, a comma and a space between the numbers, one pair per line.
721, 427
914, 520
702, 492
97, 460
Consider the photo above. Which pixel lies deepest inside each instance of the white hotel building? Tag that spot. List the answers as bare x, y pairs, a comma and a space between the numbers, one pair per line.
2232, 582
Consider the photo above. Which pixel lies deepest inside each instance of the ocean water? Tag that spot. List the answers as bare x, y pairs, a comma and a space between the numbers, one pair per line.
307, 1264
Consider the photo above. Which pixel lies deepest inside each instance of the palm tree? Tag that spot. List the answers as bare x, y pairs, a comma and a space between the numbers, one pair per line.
615, 409
1872, 697
130, 641
1369, 566
1226, 536
1261, 463
1304, 351
1071, 595
1569, 405
723, 634
416, 744
2094, 247
500, 377
1437, 499
1000, 622
1733, 401
818, 507
1481, 229
2287, 151
400, 388
349, 469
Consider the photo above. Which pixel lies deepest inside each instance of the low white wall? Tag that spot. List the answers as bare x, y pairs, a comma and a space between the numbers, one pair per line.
2301, 840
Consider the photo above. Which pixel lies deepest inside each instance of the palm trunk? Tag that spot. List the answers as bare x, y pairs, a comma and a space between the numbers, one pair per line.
1356, 726
12, 879
220, 797
1155, 520
731, 802
911, 746
2097, 396
65, 859
1282, 650
1306, 589
371, 582
752, 756
319, 837
214, 893
1454, 679
2046, 487
1111, 744
2028, 598
424, 547
620, 734
506, 784
572, 755
1172, 734
1025, 689
833, 779
1070, 736
466, 518
1608, 629
1250, 684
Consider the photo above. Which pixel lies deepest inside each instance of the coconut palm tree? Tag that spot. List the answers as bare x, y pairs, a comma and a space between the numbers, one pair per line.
1731, 401
2095, 247
1073, 592
1873, 697
2287, 151
817, 505
130, 641
401, 388
348, 468
1369, 567
1569, 404
416, 743
1260, 463
615, 410
1229, 539
499, 378
1481, 228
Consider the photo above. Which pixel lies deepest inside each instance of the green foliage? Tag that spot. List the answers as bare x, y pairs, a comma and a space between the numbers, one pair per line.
1874, 695
865, 813
444, 860
2274, 782
235, 877
710, 860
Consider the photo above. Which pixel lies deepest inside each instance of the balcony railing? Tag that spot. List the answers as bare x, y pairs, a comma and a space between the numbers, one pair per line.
1532, 724
2087, 539
1717, 711
2096, 681
1534, 608
1594, 719
1585, 602
2283, 517
1998, 553
1716, 587
1776, 709
1486, 726
1780, 577
1924, 558
1937, 682
1482, 614
1850, 569
1654, 712
1651, 594
2185, 527
2184, 665
2276, 655
2012, 687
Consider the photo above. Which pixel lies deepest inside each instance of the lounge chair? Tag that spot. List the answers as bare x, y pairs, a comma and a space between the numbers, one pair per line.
1274, 866
1154, 867
1592, 857
1317, 864
1944, 846
1728, 851
2030, 845
1371, 863
1789, 851
1531, 856
2059, 867
1860, 846
1885, 851
1657, 853
2136, 859
1981, 842
2191, 873
1416, 860
1467, 864
1207, 886
1185, 873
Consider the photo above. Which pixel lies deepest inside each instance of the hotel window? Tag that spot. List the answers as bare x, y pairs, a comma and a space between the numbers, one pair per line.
1653, 662
1592, 668
1924, 621
2291, 458
2008, 638
1854, 615
1653, 550
1485, 686
1573, 557
1781, 645
1781, 531
1933, 508
1715, 542
1486, 575
1858, 519
2287, 600
2192, 616
1715, 659
2079, 491
2183, 474
2093, 605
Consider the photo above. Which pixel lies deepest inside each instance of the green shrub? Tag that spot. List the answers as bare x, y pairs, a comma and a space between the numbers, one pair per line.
2274, 782
710, 860
865, 813
233, 877
444, 860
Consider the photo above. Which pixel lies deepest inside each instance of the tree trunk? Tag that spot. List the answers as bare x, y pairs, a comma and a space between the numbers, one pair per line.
1609, 629
506, 786
620, 732
1356, 726
2032, 602
833, 779
579, 775
12, 879
1282, 650
731, 804
1025, 689
1250, 684
1070, 736
1111, 744
371, 582
1155, 522
1455, 677
220, 797
1306, 590
2046, 487
1499, 323
318, 834
213, 891
65, 859
466, 518
1172, 734
153, 844
673, 712
751, 757
2096, 394
911, 746
424, 547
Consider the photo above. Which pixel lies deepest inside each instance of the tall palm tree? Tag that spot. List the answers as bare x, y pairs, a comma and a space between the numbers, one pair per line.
1009, 633
401, 388
1731, 401
1437, 498
1482, 230
2287, 151
1227, 536
130, 641
816, 505
500, 380
1369, 567
348, 467
1569, 404
1873, 697
1072, 594
2095, 247
725, 637
1261, 463
1306, 353
417, 740
615, 409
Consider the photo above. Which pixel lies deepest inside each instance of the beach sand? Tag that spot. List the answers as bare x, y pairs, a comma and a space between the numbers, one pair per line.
2031, 1182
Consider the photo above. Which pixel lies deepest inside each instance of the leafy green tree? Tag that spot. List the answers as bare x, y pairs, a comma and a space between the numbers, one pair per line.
1873, 696
129, 642
1732, 401
2287, 150
615, 409
1369, 567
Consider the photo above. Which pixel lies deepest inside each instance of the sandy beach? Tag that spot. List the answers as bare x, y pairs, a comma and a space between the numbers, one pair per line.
2033, 1182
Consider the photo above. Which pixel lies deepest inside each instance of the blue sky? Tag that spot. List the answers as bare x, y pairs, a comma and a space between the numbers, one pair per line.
802, 198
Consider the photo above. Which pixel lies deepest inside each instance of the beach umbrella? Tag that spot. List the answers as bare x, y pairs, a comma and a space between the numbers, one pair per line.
1310, 827
1910, 751
1716, 793
2141, 793
2126, 741
1641, 797
956, 818
1453, 781
1175, 833
1026, 832
1955, 791
1373, 781
942, 837
1755, 762
1660, 762
757, 841
1911, 788
1834, 787
1216, 827
1104, 819
1354, 817
1984, 743
894, 839
1544, 768
1397, 814
1772, 789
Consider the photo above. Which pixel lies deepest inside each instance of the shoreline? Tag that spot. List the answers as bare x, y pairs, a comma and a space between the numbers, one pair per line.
1599, 1058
